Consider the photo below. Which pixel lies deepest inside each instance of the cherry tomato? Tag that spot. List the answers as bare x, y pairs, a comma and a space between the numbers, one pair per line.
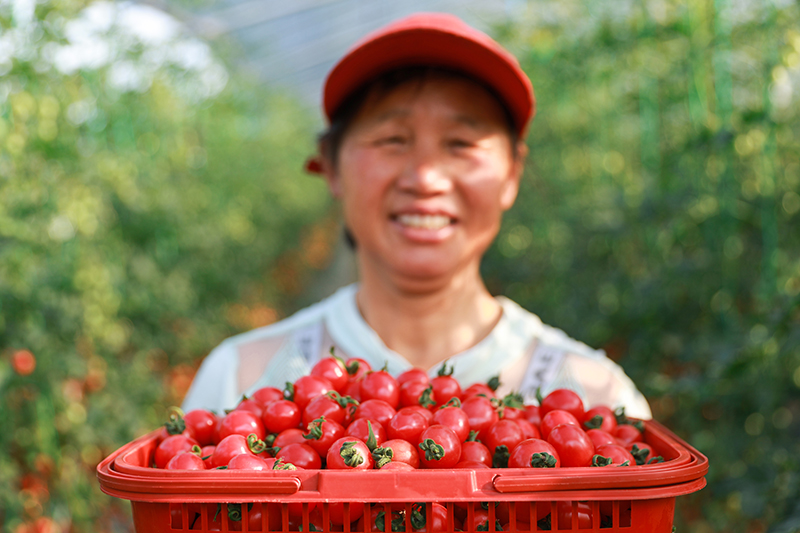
600, 417
454, 417
534, 453
336, 512
480, 521
641, 452
300, 455
248, 404
532, 414
379, 521
331, 405
242, 423
349, 453
201, 425
503, 433
357, 367
247, 461
470, 465
397, 465
185, 461
600, 437
375, 410
307, 388
556, 418
612, 454
626, 434
564, 400
445, 386
206, 453
380, 385
437, 518
267, 395
477, 452
289, 436
407, 425
172, 446
281, 415
479, 388
572, 445
528, 430
582, 513
332, 369
417, 393
413, 374
440, 447
396, 450
360, 429
228, 448
322, 433
481, 414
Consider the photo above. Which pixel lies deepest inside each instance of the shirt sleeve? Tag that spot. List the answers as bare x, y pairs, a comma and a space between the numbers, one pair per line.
214, 386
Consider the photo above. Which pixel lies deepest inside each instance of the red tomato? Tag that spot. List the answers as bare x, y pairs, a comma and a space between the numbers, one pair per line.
396, 450
337, 514
206, 453
397, 465
228, 448
357, 367
414, 374
267, 395
529, 430
477, 388
481, 414
375, 410
332, 369
289, 436
445, 386
581, 513
572, 445
185, 461
300, 455
480, 521
641, 452
201, 425
564, 400
532, 414
281, 415
322, 433
360, 429
242, 423
247, 461
378, 521
247, 404
417, 393
307, 388
626, 434
331, 405
600, 417
172, 446
612, 454
556, 418
407, 425
470, 465
440, 447
600, 437
380, 385
349, 453
418, 409
454, 417
477, 452
534, 453
503, 433
420, 519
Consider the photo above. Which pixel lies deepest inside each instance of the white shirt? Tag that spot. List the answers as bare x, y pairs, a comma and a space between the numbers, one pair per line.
525, 353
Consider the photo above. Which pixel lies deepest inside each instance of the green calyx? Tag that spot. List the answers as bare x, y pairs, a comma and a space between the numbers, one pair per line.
381, 456
425, 399
500, 457
433, 451
255, 444
543, 460
640, 454
350, 454
494, 382
473, 436
175, 425
445, 370
280, 465
594, 423
372, 441
599, 460
452, 402
315, 429
418, 516
514, 399
288, 392
485, 526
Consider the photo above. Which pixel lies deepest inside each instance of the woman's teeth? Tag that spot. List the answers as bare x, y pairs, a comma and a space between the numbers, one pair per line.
424, 221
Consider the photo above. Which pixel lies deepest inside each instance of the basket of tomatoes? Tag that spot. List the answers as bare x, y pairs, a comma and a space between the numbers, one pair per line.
350, 449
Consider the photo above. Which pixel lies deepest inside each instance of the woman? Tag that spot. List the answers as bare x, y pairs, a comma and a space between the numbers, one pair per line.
424, 152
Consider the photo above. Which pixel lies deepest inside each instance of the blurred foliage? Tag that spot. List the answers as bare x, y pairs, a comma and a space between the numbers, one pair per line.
660, 218
149, 208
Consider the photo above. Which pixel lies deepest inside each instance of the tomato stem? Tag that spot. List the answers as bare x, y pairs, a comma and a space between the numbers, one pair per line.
494, 382
350, 455
433, 451
543, 460
425, 399
500, 457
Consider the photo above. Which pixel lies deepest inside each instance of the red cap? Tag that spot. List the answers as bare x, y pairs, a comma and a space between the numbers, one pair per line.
435, 39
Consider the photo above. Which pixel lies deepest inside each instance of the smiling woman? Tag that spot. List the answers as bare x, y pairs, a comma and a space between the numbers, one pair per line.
424, 154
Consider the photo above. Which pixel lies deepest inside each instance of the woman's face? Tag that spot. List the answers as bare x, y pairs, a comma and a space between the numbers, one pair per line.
424, 174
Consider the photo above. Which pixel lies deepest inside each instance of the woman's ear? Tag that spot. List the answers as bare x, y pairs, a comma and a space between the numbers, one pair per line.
509, 193
327, 170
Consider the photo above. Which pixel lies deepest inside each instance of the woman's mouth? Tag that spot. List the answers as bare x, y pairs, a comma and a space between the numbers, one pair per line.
430, 222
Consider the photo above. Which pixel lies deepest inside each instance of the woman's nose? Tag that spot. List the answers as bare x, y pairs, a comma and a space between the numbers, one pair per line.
425, 176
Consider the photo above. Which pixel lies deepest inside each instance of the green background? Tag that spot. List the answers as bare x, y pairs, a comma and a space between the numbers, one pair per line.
657, 220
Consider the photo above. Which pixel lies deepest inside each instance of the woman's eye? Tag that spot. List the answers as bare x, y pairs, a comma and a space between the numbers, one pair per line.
460, 143
392, 139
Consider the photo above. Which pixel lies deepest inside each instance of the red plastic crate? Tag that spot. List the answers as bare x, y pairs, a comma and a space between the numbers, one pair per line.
638, 499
